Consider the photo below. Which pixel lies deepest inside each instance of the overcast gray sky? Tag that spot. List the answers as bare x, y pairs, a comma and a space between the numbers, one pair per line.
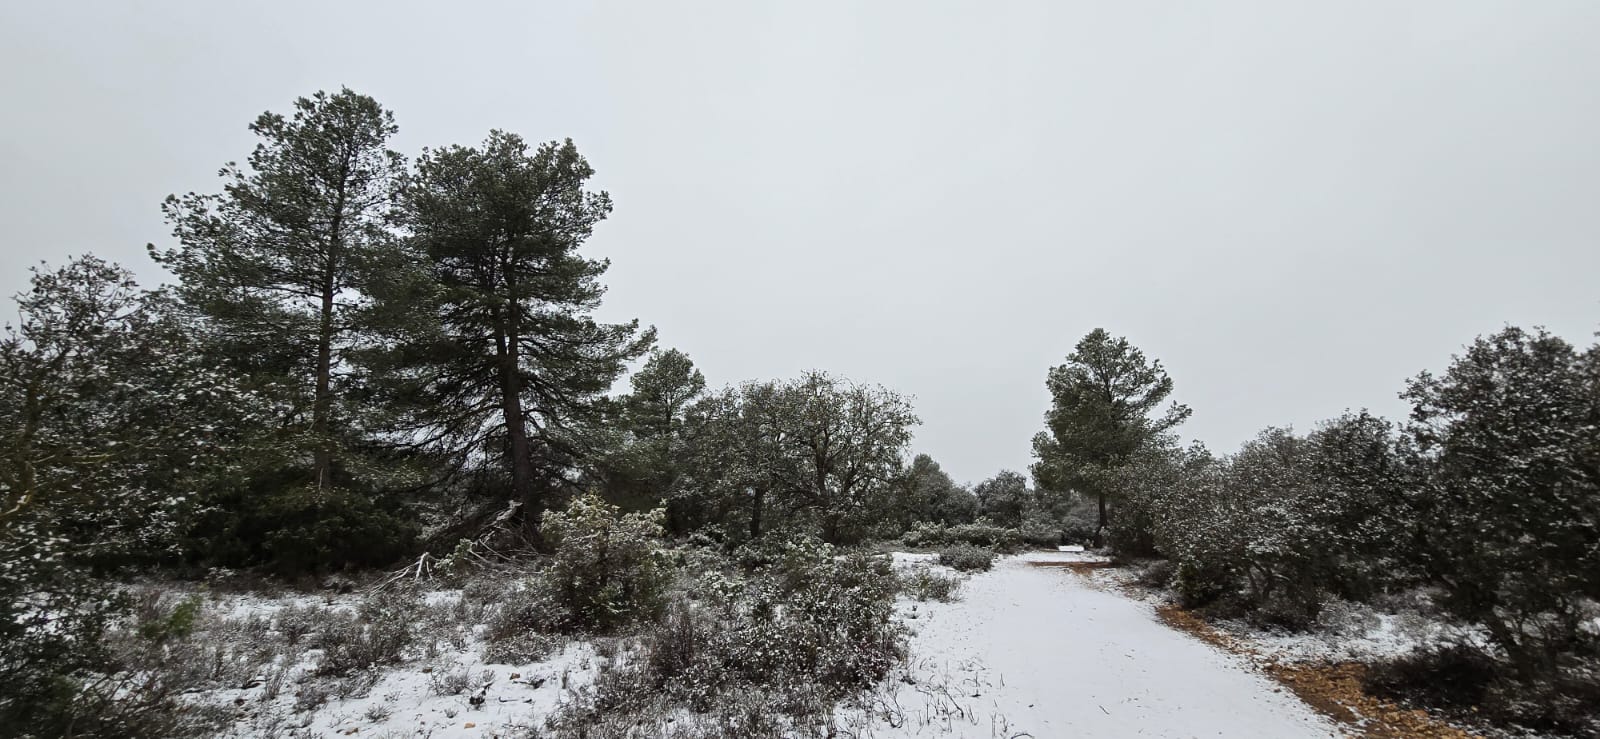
1295, 206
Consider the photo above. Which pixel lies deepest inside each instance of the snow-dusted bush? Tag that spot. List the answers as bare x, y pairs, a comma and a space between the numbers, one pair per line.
522, 624
147, 659
966, 557
606, 569
456, 682
819, 615
1270, 530
1508, 519
982, 532
1041, 530
52, 622
378, 633
924, 534
105, 406
985, 533
923, 583
765, 655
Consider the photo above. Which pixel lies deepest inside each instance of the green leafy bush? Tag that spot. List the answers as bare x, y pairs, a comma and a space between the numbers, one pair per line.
606, 569
983, 533
967, 558
294, 529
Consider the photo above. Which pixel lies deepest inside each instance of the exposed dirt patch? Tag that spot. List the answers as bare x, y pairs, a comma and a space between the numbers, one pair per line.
1081, 568
1333, 689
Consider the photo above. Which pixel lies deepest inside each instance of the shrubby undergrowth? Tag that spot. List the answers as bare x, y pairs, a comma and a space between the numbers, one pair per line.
1489, 498
765, 653
923, 583
606, 569
980, 533
967, 558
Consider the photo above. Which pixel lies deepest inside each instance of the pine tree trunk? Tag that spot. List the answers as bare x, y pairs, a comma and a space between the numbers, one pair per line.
322, 402
1100, 530
517, 445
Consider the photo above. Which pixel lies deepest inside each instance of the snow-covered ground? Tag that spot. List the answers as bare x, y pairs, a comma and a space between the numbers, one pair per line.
1026, 651
1039, 652
404, 700
1345, 631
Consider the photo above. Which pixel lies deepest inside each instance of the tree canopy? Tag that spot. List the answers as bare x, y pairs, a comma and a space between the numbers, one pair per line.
494, 353
1102, 401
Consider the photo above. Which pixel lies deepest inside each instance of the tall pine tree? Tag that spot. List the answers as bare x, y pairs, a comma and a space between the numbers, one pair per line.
496, 355
1103, 398
280, 259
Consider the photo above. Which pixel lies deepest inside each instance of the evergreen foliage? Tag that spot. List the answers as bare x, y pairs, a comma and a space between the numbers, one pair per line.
811, 455
494, 355
1100, 416
641, 464
1508, 516
282, 259
606, 567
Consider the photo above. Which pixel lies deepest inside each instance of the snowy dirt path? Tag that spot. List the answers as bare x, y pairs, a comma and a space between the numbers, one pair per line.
1036, 651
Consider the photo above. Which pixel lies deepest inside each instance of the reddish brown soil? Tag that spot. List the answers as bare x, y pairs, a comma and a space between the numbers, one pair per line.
1081, 568
1332, 688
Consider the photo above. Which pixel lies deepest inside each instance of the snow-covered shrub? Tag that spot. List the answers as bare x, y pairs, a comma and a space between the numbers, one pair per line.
754, 656
924, 534
1158, 574
149, 653
966, 557
294, 622
606, 569
760, 554
523, 624
982, 532
923, 583
819, 615
456, 682
378, 633
1154, 483
985, 533
1509, 518
1041, 530
1271, 531
105, 408
52, 620
1241, 537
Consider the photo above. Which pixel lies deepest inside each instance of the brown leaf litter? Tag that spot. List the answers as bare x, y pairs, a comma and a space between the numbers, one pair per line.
1082, 568
1332, 688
